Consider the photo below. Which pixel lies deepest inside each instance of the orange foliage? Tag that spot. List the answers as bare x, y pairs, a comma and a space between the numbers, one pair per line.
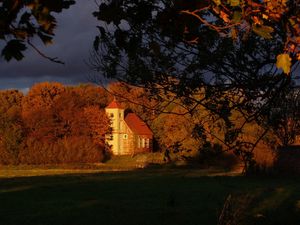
97, 123
67, 150
174, 132
237, 18
11, 126
136, 99
68, 124
64, 124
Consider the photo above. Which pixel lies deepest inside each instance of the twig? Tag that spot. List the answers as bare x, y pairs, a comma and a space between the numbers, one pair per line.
55, 59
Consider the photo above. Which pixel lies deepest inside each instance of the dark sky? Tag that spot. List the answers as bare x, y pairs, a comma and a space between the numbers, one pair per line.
72, 43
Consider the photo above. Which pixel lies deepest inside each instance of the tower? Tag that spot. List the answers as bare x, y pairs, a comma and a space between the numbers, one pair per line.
115, 113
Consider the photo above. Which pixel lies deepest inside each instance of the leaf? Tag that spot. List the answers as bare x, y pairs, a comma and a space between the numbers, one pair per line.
237, 16
13, 49
217, 2
263, 31
96, 43
284, 63
224, 17
45, 38
102, 31
265, 16
234, 33
234, 3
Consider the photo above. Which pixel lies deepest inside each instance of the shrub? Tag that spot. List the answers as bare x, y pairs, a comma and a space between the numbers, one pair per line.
288, 160
67, 150
212, 155
6, 157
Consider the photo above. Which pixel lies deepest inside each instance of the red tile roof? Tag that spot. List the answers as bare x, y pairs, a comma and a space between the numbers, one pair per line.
114, 105
137, 125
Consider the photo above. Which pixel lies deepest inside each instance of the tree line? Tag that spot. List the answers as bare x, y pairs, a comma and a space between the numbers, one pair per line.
54, 124
205, 135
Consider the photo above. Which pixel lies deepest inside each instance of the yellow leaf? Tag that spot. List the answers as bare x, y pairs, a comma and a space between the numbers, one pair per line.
234, 34
263, 31
292, 22
237, 16
217, 2
265, 16
284, 63
234, 2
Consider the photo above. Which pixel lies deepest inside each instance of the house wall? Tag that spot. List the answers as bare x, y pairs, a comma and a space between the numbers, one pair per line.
134, 143
128, 143
116, 117
123, 141
143, 143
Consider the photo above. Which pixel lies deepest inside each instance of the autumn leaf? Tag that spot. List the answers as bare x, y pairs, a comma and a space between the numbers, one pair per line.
265, 16
263, 31
217, 2
234, 2
284, 63
224, 17
234, 34
237, 16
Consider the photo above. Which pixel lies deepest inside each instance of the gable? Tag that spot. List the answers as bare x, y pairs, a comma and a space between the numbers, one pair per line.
114, 105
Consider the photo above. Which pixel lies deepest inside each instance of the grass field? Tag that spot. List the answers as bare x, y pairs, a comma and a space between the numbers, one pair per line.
142, 197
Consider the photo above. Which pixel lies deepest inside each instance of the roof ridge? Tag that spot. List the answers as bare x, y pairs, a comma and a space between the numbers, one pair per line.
114, 105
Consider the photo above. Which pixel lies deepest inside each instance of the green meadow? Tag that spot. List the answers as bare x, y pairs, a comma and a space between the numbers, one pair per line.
161, 196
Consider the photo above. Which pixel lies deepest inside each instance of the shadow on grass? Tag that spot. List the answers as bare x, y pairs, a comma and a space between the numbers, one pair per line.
142, 197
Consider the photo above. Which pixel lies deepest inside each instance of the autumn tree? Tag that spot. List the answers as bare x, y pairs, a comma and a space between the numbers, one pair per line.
283, 118
11, 126
64, 124
21, 21
174, 133
136, 99
37, 110
222, 55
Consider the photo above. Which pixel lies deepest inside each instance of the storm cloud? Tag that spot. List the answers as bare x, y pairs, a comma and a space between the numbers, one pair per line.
72, 45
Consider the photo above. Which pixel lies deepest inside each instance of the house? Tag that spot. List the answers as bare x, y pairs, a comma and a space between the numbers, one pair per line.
130, 134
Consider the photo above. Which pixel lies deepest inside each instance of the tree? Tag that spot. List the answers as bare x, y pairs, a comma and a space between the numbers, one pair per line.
21, 21
284, 117
234, 18
148, 48
64, 124
220, 55
12, 131
135, 99
37, 111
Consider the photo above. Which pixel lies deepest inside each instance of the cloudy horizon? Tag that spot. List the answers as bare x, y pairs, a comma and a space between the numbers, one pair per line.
72, 44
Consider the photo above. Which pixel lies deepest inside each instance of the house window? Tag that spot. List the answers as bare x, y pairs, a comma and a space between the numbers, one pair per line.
111, 137
147, 143
125, 136
112, 115
143, 142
